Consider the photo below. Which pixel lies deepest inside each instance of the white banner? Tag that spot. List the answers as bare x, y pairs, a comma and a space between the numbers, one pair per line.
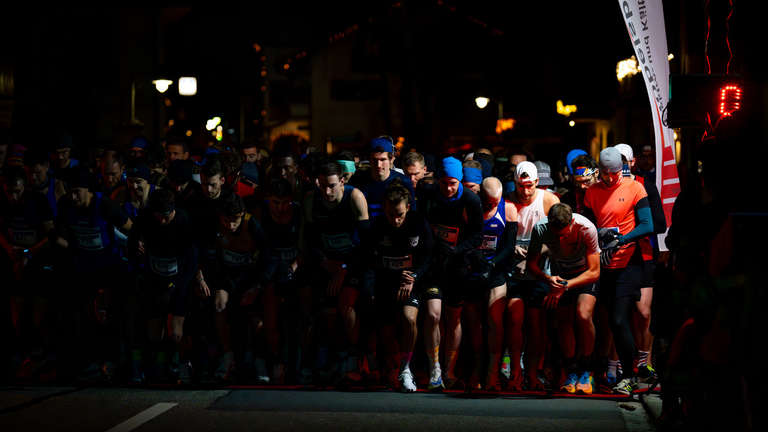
645, 24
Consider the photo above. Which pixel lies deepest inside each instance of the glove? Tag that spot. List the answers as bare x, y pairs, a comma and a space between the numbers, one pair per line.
608, 238
606, 255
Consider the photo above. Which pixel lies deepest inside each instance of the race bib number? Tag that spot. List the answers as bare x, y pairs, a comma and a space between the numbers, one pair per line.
235, 259
397, 263
165, 267
285, 254
447, 234
489, 243
23, 237
88, 238
337, 242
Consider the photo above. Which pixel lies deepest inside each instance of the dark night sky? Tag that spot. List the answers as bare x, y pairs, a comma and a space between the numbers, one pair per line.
548, 50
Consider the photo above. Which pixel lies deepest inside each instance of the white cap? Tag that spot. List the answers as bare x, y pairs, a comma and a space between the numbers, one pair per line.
626, 151
528, 168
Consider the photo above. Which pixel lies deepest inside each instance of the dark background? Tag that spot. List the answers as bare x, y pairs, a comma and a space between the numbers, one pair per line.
415, 67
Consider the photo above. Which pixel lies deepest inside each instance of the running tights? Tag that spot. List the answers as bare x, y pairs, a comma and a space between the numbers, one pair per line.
621, 315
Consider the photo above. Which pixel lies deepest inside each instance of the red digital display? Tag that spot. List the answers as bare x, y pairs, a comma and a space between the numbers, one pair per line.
729, 99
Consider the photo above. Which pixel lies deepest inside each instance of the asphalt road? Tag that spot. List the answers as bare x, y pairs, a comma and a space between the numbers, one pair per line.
123, 409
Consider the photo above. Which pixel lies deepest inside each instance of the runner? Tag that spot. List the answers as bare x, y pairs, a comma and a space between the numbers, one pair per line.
524, 293
499, 234
575, 254
162, 239
233, 276
400, 254
26, 221
281, 277
456, 218
86, 230
641, 324
620, 207
336, 218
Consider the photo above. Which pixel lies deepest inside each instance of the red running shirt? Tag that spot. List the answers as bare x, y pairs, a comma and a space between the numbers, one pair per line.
614, 207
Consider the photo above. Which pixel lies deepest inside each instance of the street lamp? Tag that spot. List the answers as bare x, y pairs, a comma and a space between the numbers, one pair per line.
187, 86
162, 84
481, 102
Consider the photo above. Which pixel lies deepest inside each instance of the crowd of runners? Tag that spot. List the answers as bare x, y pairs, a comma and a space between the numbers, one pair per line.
478, 270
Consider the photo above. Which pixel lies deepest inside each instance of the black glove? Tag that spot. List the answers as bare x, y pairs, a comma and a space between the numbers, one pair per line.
606, 255
608, 238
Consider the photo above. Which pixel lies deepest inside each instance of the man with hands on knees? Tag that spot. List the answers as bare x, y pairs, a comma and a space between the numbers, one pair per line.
573, 247
400, 250
162, 240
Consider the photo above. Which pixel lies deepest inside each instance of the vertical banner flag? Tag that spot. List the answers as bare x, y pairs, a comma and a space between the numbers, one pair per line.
645, 24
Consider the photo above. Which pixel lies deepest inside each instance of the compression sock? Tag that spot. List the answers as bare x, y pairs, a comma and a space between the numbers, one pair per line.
642, 358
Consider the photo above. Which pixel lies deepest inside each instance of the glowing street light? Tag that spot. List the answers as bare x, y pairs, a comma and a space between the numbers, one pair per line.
161, 85
571, 123
212, 123
187, 86
481, 102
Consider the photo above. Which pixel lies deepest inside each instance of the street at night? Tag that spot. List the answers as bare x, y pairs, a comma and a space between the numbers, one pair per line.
384, 215
119, 409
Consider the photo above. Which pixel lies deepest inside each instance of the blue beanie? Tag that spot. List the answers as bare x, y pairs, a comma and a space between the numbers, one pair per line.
573, 154
473, 175
452, 168
382, 144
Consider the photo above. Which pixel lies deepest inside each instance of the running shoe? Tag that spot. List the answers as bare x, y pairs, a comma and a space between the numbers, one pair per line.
435, 379
226, 365
569, 385
646, 374
610, 379
586, 383
506, 366
626, 386
407, 384
184, 373
260, 366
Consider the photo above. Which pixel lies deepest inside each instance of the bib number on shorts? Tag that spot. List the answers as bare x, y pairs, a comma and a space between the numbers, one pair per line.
88, 238
165, 267
23, 237
337, 242
489, 243
447, 234
397, 263
234, 258
285, 254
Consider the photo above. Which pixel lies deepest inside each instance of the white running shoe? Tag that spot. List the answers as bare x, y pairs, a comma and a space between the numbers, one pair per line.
407, 384
436, 379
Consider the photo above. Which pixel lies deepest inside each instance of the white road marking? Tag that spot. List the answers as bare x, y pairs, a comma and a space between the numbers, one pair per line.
143, 417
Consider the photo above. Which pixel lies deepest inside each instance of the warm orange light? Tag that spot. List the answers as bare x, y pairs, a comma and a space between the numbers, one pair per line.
256, 47
505, 124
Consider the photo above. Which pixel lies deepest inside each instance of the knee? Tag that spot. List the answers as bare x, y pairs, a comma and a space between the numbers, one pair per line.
432, 319
584, 316
410, 321
644, 313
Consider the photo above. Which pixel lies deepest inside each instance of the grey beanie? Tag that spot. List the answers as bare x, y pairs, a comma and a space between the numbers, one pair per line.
610, 160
